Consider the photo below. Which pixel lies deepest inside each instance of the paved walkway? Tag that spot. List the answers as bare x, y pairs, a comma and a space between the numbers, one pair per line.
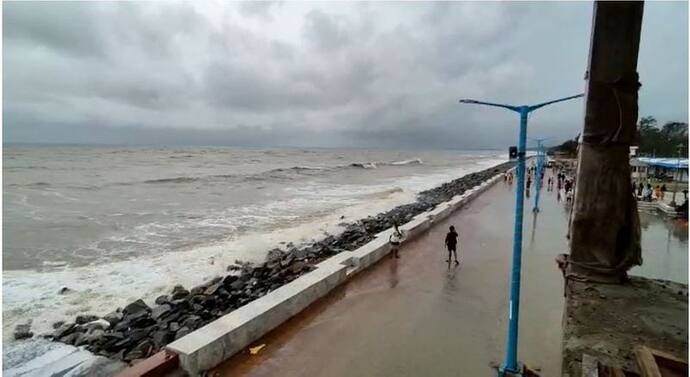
416, 316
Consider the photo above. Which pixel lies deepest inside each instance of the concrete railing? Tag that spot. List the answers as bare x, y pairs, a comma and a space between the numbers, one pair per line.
210, 345
657, 205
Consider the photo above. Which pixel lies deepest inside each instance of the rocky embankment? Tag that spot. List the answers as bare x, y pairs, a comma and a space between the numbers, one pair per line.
139, 330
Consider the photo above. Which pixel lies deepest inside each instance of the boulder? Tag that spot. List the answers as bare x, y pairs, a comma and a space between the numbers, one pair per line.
181, 304
89, 337
64, 330
229, 279
168, 317
274, 255
297, 267
160, 310
139, 320
209, 302
163, 337
132, 337
287, 260
85, 318
179, 292
182, 332
142, 350
192, 322
136, 307
197, 290
101, 324
164, 299
113, 317
69, 339
213, 288
23, 332
64, 291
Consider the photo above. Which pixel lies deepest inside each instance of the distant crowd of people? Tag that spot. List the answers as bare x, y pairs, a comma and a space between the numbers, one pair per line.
555, 176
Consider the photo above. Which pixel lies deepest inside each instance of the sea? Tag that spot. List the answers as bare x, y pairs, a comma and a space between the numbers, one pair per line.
113, 224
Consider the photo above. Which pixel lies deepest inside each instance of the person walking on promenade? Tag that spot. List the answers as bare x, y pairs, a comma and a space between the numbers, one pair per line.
451, 244
663, 191
395, 239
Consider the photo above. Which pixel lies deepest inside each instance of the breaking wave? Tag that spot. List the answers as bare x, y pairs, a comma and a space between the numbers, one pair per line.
291, 172
374, 165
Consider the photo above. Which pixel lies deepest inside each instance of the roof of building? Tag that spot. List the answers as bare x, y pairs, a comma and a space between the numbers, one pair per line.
637, 162
672, 163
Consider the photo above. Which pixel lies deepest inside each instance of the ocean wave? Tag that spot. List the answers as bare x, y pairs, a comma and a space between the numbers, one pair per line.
298, 168
363, 165
173, 180
374, 165
30, 185
384, 193
293, 172
415, 161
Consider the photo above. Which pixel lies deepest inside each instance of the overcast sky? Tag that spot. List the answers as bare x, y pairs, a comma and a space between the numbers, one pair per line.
314, 74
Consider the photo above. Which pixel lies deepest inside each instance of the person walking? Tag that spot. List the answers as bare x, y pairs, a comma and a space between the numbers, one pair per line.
395, 239
451, 244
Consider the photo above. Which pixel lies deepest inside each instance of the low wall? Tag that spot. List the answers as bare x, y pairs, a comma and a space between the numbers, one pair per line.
657, 205
210, 345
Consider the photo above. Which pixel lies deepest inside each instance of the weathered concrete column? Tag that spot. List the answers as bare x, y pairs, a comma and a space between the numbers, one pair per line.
604, 228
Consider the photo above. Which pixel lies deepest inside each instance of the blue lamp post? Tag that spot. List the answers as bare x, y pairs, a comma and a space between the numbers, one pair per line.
539, 173
510, 364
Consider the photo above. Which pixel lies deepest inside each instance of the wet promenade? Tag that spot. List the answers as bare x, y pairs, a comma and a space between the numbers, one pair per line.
417, 316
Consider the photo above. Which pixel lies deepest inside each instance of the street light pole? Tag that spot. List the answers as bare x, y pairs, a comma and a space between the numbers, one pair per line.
539, 173
680, 176
510, 364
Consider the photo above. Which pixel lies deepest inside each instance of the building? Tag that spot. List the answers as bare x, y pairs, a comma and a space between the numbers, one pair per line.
638, 169
669, 168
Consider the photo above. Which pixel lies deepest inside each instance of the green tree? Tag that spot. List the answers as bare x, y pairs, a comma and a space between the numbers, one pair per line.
662, 142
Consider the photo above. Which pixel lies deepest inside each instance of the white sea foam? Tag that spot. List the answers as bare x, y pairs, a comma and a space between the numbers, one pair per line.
101, 288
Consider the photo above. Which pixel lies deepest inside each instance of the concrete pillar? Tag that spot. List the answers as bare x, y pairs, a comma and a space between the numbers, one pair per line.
604, 227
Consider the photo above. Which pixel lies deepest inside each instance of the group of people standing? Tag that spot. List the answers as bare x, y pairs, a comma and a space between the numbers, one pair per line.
647, 193
565, 183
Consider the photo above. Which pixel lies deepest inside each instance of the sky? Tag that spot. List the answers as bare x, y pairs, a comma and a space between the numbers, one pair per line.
314, 74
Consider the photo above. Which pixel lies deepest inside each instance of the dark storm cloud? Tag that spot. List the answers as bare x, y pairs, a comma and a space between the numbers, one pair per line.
67, 28
343, 74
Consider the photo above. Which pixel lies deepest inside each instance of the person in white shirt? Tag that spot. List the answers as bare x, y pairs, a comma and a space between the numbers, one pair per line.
395, 239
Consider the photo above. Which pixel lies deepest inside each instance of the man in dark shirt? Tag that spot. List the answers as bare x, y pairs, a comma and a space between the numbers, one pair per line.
451, 244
